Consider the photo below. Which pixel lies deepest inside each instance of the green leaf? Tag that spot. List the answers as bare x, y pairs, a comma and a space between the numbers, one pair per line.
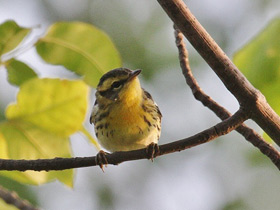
11, 35
39, 124
57, 106
22, 190
259, 61
81, 48
19, 72
22, 140
4, 205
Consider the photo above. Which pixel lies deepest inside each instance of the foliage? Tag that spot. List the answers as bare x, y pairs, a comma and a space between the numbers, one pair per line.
259, 61
40, 123
19, 72
6, 206
79, 47
47, 110
11, 35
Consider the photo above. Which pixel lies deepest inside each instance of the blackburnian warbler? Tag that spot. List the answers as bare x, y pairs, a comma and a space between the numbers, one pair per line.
124, 115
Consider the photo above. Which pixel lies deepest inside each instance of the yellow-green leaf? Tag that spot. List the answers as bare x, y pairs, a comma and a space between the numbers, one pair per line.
4, 205
57, 106
11, 35
81, 48
259, 61
19, 72
24, 140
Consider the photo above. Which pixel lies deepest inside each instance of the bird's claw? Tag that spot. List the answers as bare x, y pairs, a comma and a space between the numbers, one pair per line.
152, 151
101, 159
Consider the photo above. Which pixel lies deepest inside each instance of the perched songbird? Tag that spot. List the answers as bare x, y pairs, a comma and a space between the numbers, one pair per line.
124, 115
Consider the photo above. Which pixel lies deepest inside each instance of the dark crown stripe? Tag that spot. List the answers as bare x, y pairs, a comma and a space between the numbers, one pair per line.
114, 73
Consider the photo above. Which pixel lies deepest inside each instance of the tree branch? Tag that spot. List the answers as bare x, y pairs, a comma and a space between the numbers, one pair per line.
116, 158
13, 199
248, 97
252, 104
249, 134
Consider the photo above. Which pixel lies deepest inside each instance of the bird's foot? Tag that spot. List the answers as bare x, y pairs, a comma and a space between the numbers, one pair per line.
101, 159
152, 151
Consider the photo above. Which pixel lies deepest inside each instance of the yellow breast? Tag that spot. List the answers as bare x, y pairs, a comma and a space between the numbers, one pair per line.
128, 124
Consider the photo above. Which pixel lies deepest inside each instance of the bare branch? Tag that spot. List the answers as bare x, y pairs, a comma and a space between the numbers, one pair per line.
249, 134
116, 158
248, 97
13, 199
223, 67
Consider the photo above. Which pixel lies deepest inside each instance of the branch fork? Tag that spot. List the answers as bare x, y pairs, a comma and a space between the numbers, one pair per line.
252, 103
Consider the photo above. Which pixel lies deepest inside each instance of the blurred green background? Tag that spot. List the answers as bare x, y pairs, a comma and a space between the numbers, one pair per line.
228, 173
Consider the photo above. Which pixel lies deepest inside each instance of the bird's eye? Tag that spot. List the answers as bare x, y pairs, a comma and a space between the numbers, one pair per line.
116, 85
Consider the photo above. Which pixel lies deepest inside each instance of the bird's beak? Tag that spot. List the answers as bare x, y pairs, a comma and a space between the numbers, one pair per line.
134, 74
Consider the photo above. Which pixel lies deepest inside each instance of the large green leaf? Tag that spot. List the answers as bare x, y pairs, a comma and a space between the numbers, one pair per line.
260, 62
260, 59
19, 72
81, 48
57, 106
39, 124
11, 35
22, 140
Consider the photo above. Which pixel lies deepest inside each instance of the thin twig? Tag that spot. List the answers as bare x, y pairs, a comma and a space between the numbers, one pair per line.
13, 199
249, 134
116, 158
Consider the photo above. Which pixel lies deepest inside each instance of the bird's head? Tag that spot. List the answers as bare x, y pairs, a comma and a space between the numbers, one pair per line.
119, 85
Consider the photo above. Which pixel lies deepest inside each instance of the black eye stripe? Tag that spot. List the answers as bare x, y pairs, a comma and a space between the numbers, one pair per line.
107, 93
117, 84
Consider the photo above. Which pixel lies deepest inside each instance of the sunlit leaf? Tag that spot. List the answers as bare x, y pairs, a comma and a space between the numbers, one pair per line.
57, 106
11, 35
4, 205
19, 72
39, 124
3, 147
81, 48
26, 141
260, 59
260, 62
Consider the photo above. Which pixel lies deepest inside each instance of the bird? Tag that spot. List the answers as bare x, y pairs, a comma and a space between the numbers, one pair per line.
124, 115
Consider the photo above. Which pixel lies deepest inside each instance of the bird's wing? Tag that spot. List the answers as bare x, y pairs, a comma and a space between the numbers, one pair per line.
93, 112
